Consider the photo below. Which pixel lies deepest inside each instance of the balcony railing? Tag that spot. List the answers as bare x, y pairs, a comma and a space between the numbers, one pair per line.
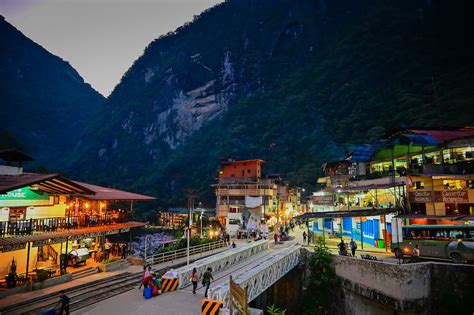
461, 168
31, 226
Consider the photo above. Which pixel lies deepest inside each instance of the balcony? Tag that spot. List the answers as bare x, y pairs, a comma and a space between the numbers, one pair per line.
245, 192
34, 226
461, 168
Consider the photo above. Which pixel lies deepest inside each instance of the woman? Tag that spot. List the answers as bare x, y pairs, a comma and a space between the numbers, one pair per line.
194, 279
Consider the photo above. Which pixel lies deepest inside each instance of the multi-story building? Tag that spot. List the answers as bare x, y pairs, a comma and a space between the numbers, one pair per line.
426, 176
244, 198
45, 215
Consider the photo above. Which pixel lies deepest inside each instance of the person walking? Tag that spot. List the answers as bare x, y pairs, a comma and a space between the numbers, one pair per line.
342, 248
353, 246
63, 303
304, 236
123, 251
143, 277
275, 237
194, 279
206, 280
416, 253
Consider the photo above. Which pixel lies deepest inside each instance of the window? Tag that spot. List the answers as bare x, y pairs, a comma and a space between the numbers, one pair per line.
243, 173
419, 185
248, 171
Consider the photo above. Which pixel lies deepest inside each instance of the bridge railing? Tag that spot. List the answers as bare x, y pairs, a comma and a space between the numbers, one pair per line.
260, 277
220, 261
180, 253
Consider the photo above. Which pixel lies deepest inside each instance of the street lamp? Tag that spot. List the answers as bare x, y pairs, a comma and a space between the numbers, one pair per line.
146, 238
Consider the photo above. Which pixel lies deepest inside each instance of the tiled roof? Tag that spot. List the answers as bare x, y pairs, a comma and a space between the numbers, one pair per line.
104, 193
50, 183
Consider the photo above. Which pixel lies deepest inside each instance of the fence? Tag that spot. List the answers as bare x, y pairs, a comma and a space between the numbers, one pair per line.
180, 253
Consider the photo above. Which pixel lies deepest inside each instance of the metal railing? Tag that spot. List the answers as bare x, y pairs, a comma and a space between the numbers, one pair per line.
28, 227
180, 253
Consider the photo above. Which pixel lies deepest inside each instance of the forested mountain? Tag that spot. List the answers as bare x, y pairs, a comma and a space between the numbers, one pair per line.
44, 101
294, 82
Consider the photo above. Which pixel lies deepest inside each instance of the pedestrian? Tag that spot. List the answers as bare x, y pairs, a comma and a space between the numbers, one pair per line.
275, 237
206, 280
233, 245
63, 303
353, 246
342, 248
416, 253
143, 277
123, 251
194, 279
304, 236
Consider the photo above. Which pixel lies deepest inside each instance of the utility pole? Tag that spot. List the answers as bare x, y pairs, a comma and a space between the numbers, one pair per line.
191, 196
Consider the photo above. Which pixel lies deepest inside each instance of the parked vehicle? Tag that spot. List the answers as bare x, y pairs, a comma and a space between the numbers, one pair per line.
453, 242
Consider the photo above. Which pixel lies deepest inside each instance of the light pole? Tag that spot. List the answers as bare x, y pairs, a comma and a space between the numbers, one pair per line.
146, 238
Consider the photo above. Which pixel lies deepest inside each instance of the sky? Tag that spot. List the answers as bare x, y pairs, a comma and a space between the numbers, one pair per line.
100, 38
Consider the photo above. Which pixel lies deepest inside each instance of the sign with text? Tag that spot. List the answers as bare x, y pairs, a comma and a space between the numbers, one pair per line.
322, 200
24, 194
10, 248
448, 196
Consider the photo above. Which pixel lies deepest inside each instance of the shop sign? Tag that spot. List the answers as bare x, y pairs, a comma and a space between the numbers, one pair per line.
10, 248
322, 200
74, 237
110, 232
40, 243
24, 194
451, 196
58, 240
124, 230
420, 196
448, 196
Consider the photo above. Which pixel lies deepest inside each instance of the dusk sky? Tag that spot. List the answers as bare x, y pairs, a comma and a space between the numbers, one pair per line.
100, 38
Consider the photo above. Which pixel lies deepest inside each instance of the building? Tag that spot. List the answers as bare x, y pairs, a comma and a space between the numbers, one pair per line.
422, 176
44, 215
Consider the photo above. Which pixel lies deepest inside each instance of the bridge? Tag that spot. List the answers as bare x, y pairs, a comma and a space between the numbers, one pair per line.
254, 266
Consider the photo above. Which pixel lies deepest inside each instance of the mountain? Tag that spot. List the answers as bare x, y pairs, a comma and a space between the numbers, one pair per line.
44, 101
294, 82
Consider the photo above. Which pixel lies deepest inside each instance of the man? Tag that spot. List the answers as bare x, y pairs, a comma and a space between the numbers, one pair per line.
342, 248
64, 301
416, 253
123, 251
206, 280
304, 236
353, 247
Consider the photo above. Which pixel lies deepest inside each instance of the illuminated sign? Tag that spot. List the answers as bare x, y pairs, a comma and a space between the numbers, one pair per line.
449, 196
24, 194
9, 248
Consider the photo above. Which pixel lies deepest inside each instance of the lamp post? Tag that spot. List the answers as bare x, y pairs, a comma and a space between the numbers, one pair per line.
146, 238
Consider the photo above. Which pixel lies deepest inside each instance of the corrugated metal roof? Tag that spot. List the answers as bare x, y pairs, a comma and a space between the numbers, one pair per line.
49, 183
45, 236
104, 193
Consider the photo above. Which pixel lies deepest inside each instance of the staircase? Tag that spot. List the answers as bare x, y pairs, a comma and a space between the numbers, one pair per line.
83, 273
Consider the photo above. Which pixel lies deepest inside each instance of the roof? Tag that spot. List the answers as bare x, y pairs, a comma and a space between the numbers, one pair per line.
45, 236
243, 161
49, 183
104, 193
14, 155
346, 214
454, 217
422, 137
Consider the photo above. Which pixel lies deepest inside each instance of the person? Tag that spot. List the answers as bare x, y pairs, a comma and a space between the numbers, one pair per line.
275, 237
206, 280
194, 279
342, 248
107, 248
304, 236
233, 244
353, 247
143, 277
123, 251
416, 253
64, 301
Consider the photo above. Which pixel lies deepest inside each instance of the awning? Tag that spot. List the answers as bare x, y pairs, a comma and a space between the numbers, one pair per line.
346, 214
11, 241
454, 217
50, 183
104, 193
365, 187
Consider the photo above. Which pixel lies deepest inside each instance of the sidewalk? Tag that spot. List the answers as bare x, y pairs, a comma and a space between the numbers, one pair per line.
24, 296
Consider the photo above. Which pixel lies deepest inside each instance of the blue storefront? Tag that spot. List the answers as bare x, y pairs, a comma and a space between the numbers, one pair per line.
351, 227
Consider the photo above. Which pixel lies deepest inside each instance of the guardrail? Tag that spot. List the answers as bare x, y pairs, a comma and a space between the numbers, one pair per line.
220, 261
180, 253
261, 276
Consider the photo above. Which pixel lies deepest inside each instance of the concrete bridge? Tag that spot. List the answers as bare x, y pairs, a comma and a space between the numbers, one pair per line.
255, 266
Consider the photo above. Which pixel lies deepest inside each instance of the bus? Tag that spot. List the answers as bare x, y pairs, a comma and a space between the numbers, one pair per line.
453, 242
